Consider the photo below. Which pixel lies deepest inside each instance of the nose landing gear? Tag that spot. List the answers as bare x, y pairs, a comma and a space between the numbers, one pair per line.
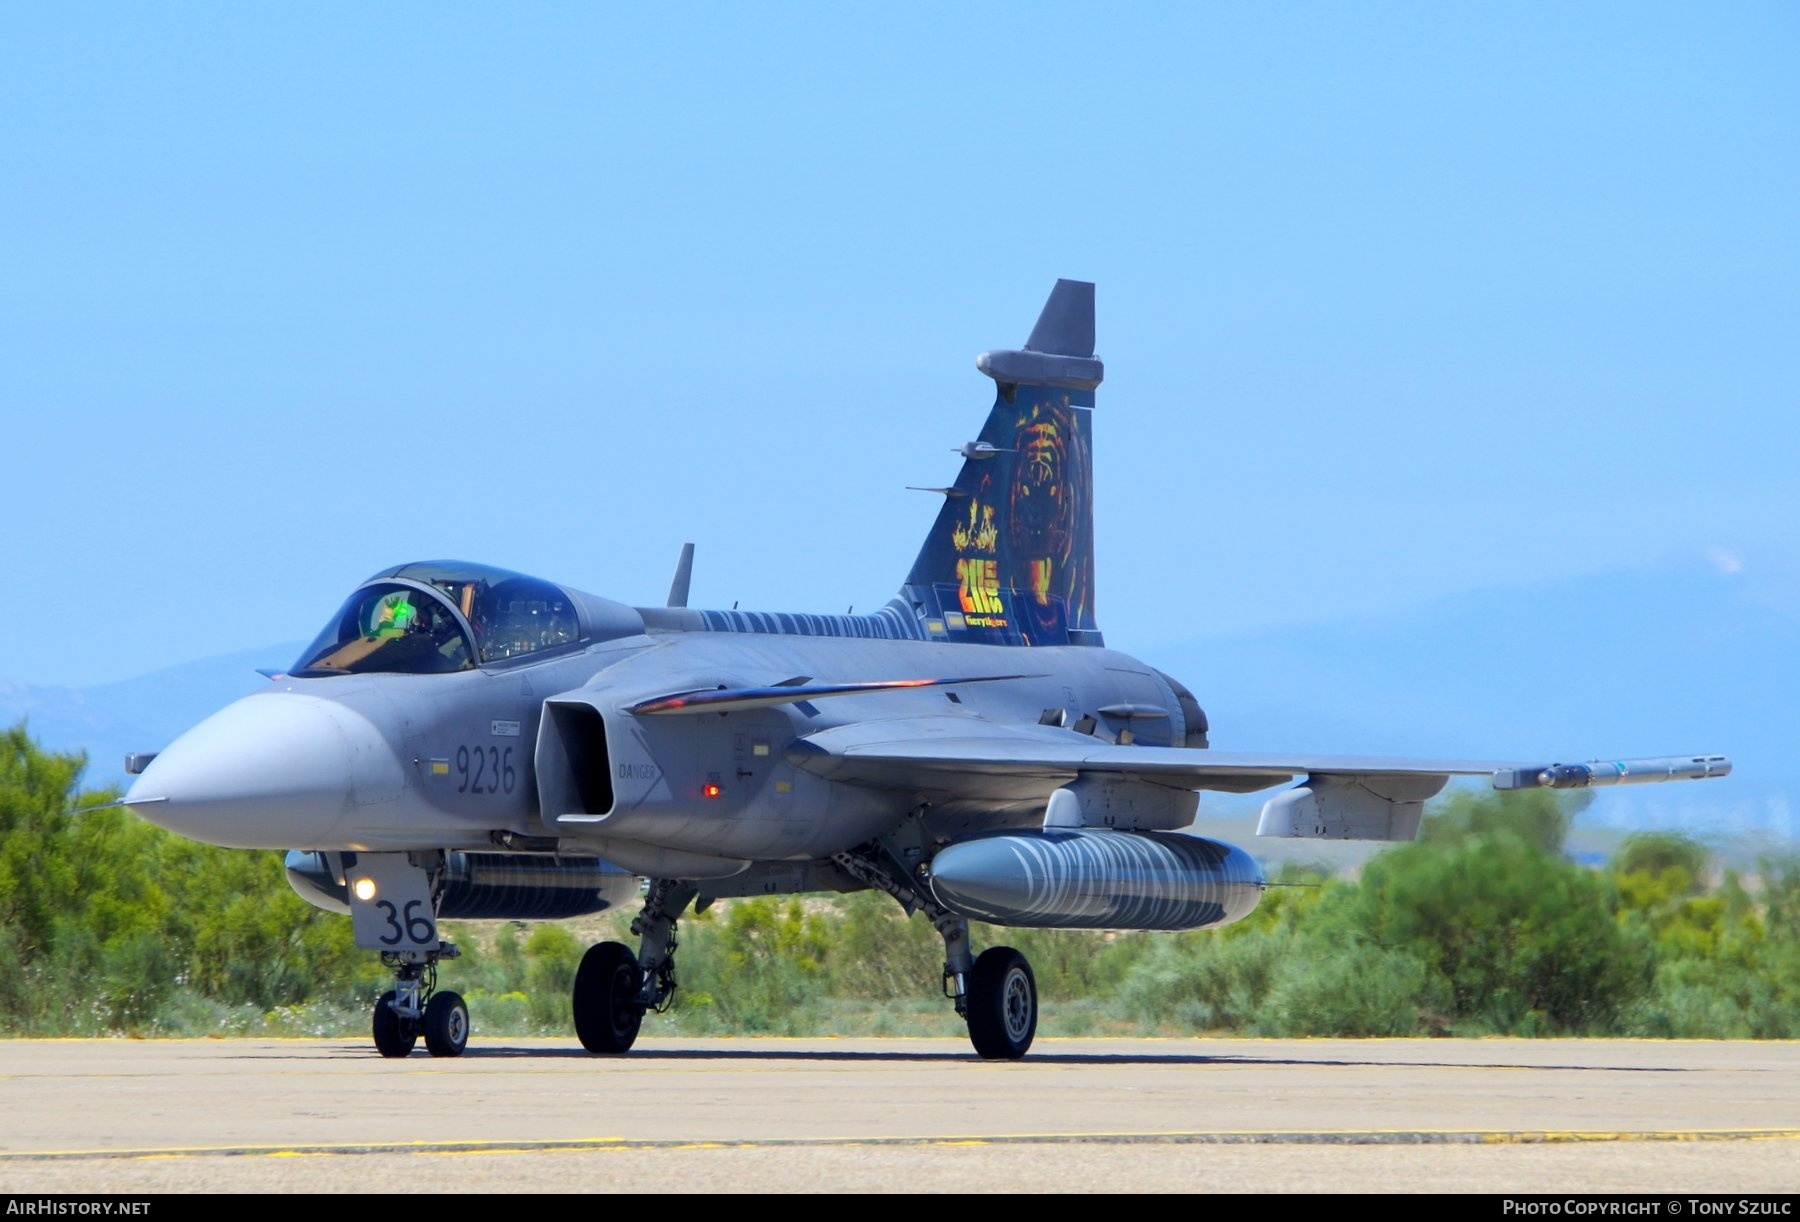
446, 1024
414, 1007
394, 899
394, 1035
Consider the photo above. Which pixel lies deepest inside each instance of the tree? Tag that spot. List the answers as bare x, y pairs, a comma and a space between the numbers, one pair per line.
105, 919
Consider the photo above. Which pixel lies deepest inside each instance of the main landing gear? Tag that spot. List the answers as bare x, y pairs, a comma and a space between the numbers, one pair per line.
995, 994
1000, 1004
614, 988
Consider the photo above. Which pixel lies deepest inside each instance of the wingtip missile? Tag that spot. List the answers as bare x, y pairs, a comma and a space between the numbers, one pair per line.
1596, 773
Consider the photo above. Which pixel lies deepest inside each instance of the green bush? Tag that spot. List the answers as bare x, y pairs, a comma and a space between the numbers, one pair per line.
1352, 990
1525, 940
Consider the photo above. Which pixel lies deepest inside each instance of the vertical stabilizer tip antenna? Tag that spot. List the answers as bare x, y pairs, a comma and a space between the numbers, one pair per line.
684, 574
1060, 351
1066, 325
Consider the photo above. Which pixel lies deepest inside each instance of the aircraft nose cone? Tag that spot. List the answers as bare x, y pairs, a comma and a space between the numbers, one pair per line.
274, 770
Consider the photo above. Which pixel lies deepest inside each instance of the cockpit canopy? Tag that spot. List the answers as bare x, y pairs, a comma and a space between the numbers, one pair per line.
441, 616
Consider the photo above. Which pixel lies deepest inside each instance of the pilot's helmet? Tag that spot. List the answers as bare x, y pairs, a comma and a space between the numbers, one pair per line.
390, 614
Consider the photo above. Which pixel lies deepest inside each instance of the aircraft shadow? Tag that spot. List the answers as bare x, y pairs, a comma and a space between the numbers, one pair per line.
802, 1056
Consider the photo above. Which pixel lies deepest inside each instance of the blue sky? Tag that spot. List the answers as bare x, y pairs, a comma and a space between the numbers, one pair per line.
1397, 301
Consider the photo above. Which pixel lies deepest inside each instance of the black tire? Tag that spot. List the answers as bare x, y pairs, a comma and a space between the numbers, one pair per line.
607, 1011
1003, 1005
394, 1036
446, 1025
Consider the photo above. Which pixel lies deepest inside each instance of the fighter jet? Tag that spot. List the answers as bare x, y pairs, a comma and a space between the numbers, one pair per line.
463, 741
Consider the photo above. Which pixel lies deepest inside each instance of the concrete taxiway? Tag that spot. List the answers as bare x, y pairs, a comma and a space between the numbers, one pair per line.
742, 1115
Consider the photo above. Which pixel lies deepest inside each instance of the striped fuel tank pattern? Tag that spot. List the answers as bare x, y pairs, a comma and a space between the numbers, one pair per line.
1082, 879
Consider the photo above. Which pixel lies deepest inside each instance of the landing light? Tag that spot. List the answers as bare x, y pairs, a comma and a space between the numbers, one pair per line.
364, 888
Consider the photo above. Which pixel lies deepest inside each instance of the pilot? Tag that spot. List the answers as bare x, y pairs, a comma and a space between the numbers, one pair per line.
390, 615
421, 638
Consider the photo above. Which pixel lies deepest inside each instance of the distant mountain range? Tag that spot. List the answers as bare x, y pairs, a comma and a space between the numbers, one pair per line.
142, 714
1637, 663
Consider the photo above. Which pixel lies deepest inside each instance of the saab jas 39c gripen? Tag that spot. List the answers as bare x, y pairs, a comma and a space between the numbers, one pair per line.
463, 741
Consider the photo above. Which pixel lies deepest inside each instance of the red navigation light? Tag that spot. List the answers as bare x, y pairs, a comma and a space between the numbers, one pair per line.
710, 789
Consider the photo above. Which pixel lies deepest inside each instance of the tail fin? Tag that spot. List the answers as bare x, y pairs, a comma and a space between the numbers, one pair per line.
1010, 559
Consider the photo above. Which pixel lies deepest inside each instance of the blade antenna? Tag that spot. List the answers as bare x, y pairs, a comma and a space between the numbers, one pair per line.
684, 573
